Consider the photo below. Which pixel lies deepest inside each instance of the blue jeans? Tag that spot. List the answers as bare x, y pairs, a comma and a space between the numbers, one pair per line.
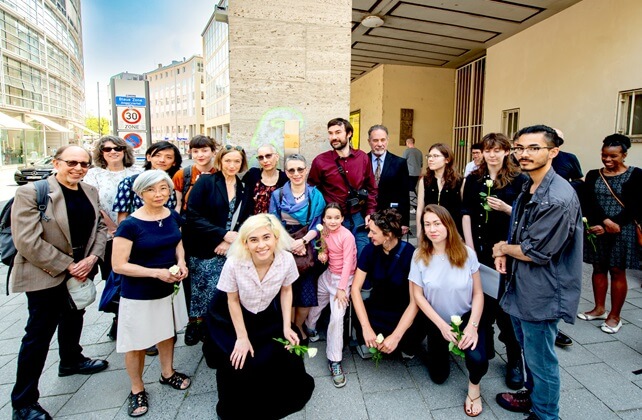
356, 224
542, 367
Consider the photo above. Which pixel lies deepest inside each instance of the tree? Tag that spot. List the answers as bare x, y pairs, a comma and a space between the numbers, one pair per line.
91, 123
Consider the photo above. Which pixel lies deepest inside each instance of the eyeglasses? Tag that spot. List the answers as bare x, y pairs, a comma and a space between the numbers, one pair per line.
162, 190
530, 149
115, 149
434, 156
230, 147
291, 171
74, 163
267, 156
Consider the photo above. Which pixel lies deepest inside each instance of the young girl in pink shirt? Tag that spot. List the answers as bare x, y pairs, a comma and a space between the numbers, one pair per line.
334, 287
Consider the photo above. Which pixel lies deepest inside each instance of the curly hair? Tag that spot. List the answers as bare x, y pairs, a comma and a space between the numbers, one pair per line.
389, 221
99, 158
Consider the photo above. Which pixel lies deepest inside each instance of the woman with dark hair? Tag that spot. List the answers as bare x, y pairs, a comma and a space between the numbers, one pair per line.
391, 309
299, 206
441, 184
610, 204
162, 155
262, 182
446, 284
217, 206
496, 183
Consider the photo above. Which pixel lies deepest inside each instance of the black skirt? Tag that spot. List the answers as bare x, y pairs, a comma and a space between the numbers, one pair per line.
257, 390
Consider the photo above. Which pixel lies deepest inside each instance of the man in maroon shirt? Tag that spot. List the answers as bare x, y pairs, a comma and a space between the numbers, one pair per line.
359, 200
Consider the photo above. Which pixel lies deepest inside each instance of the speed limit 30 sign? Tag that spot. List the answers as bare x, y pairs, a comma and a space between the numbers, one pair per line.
131, 116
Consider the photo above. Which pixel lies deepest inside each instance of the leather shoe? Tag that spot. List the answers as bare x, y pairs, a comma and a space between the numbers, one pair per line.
518, 402
31, 412
86, 367
514, 375
193, 333
563, 340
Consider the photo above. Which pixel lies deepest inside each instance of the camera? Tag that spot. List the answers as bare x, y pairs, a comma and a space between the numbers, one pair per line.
357, 197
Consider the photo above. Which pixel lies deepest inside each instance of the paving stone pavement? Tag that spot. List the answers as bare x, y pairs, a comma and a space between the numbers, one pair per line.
598, 379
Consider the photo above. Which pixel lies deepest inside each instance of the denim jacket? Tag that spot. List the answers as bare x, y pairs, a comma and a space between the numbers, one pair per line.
549, 231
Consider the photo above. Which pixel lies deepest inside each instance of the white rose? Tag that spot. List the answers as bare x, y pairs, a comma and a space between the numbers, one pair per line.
379, 339
455, 319
584, 219
312, 351
489, 183
173, 270
320, 227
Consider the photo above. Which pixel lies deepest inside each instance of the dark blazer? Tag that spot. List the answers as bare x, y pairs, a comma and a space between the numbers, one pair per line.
394, 176
207, 211
252, 176
44, 247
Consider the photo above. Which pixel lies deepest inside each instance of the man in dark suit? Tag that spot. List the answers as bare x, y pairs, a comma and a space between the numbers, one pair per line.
67, 243
391, 175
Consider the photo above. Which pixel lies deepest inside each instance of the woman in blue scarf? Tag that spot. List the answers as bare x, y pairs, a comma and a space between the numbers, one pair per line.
299, 207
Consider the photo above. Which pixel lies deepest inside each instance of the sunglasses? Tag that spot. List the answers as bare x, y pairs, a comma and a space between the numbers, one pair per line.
291, 171
74, 163
230, 147
267, 156
115, 149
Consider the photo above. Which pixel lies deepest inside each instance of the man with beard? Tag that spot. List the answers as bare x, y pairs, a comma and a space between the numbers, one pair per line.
545, 253
345, 176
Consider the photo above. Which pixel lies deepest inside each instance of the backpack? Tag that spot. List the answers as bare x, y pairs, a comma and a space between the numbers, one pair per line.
7, 248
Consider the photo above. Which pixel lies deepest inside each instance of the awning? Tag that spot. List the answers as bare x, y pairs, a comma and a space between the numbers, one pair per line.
47, 122
11, 123
82, 127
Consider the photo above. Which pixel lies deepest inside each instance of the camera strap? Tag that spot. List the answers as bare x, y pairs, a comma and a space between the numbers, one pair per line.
351, 192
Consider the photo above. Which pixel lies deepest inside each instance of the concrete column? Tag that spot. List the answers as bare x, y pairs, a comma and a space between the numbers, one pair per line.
289, 60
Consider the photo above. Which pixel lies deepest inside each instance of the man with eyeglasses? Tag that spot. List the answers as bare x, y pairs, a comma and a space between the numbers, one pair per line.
390, 172
344, 175
544, 251
51, 250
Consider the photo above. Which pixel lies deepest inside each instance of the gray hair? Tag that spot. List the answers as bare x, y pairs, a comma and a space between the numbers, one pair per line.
377, 127
272, 148
150, 178
297, 157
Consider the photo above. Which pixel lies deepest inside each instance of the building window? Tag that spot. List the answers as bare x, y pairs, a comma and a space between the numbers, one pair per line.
629, 120
510, 122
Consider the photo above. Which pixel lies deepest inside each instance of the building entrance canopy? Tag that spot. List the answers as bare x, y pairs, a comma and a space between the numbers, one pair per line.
11, 123
48, 123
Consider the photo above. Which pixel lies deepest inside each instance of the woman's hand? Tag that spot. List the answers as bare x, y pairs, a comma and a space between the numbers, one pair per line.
447, 332
498, 205
230, 236
469, 338
342, 298
164, 274
291, 336
323, 257
597, 230
298, 247
611, 226
241, 348
369, 336
222, 248
389, 344
183, 271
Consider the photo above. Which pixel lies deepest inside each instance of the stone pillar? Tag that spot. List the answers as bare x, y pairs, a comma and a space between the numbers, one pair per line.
289, 60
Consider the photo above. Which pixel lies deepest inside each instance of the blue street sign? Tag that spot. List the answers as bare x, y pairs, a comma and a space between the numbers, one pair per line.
129, 101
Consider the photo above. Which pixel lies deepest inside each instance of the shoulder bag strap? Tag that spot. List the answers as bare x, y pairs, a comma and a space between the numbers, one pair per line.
342, 172
611, 190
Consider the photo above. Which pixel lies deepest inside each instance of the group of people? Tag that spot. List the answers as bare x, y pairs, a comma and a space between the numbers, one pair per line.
237, 262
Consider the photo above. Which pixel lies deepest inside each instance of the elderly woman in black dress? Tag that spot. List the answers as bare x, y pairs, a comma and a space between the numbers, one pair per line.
610, 203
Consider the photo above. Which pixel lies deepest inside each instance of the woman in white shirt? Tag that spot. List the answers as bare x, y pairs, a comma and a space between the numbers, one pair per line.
446, 283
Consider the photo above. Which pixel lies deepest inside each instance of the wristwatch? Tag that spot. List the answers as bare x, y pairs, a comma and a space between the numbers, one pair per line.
305, 241
475, 324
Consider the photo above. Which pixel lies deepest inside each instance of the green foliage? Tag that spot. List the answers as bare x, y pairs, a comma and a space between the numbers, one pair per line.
91, 123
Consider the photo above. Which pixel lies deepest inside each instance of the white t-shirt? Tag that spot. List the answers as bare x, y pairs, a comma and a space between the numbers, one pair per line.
448, 289
106, 182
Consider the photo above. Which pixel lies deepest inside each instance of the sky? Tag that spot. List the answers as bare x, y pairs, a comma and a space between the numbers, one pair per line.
136, 36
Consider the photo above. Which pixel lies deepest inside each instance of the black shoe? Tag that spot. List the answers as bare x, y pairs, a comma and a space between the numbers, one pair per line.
32, 412
515, 375
113, 331
563, 340
86, 367
193, 333
152, 351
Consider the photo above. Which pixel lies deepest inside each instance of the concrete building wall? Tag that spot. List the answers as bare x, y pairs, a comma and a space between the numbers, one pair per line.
429, 92
567, 71
289, 60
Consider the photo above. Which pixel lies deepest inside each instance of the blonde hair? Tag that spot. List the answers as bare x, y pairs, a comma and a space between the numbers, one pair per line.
239, 250
455, 247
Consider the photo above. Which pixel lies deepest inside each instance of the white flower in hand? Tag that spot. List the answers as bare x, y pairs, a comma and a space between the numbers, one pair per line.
584, 219
312, 352
489, 183
320, 227
455, 319
379, 339
173, 270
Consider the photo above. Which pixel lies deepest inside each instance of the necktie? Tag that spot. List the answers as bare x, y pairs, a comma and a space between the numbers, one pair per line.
378, 171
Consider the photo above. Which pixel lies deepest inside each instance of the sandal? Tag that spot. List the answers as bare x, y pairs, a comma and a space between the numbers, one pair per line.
137, 401
176, 381
472, 404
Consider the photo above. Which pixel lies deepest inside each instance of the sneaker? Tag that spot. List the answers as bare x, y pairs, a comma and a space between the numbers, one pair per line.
364, 352
406, 356
313, 335
518, 402
338, 377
